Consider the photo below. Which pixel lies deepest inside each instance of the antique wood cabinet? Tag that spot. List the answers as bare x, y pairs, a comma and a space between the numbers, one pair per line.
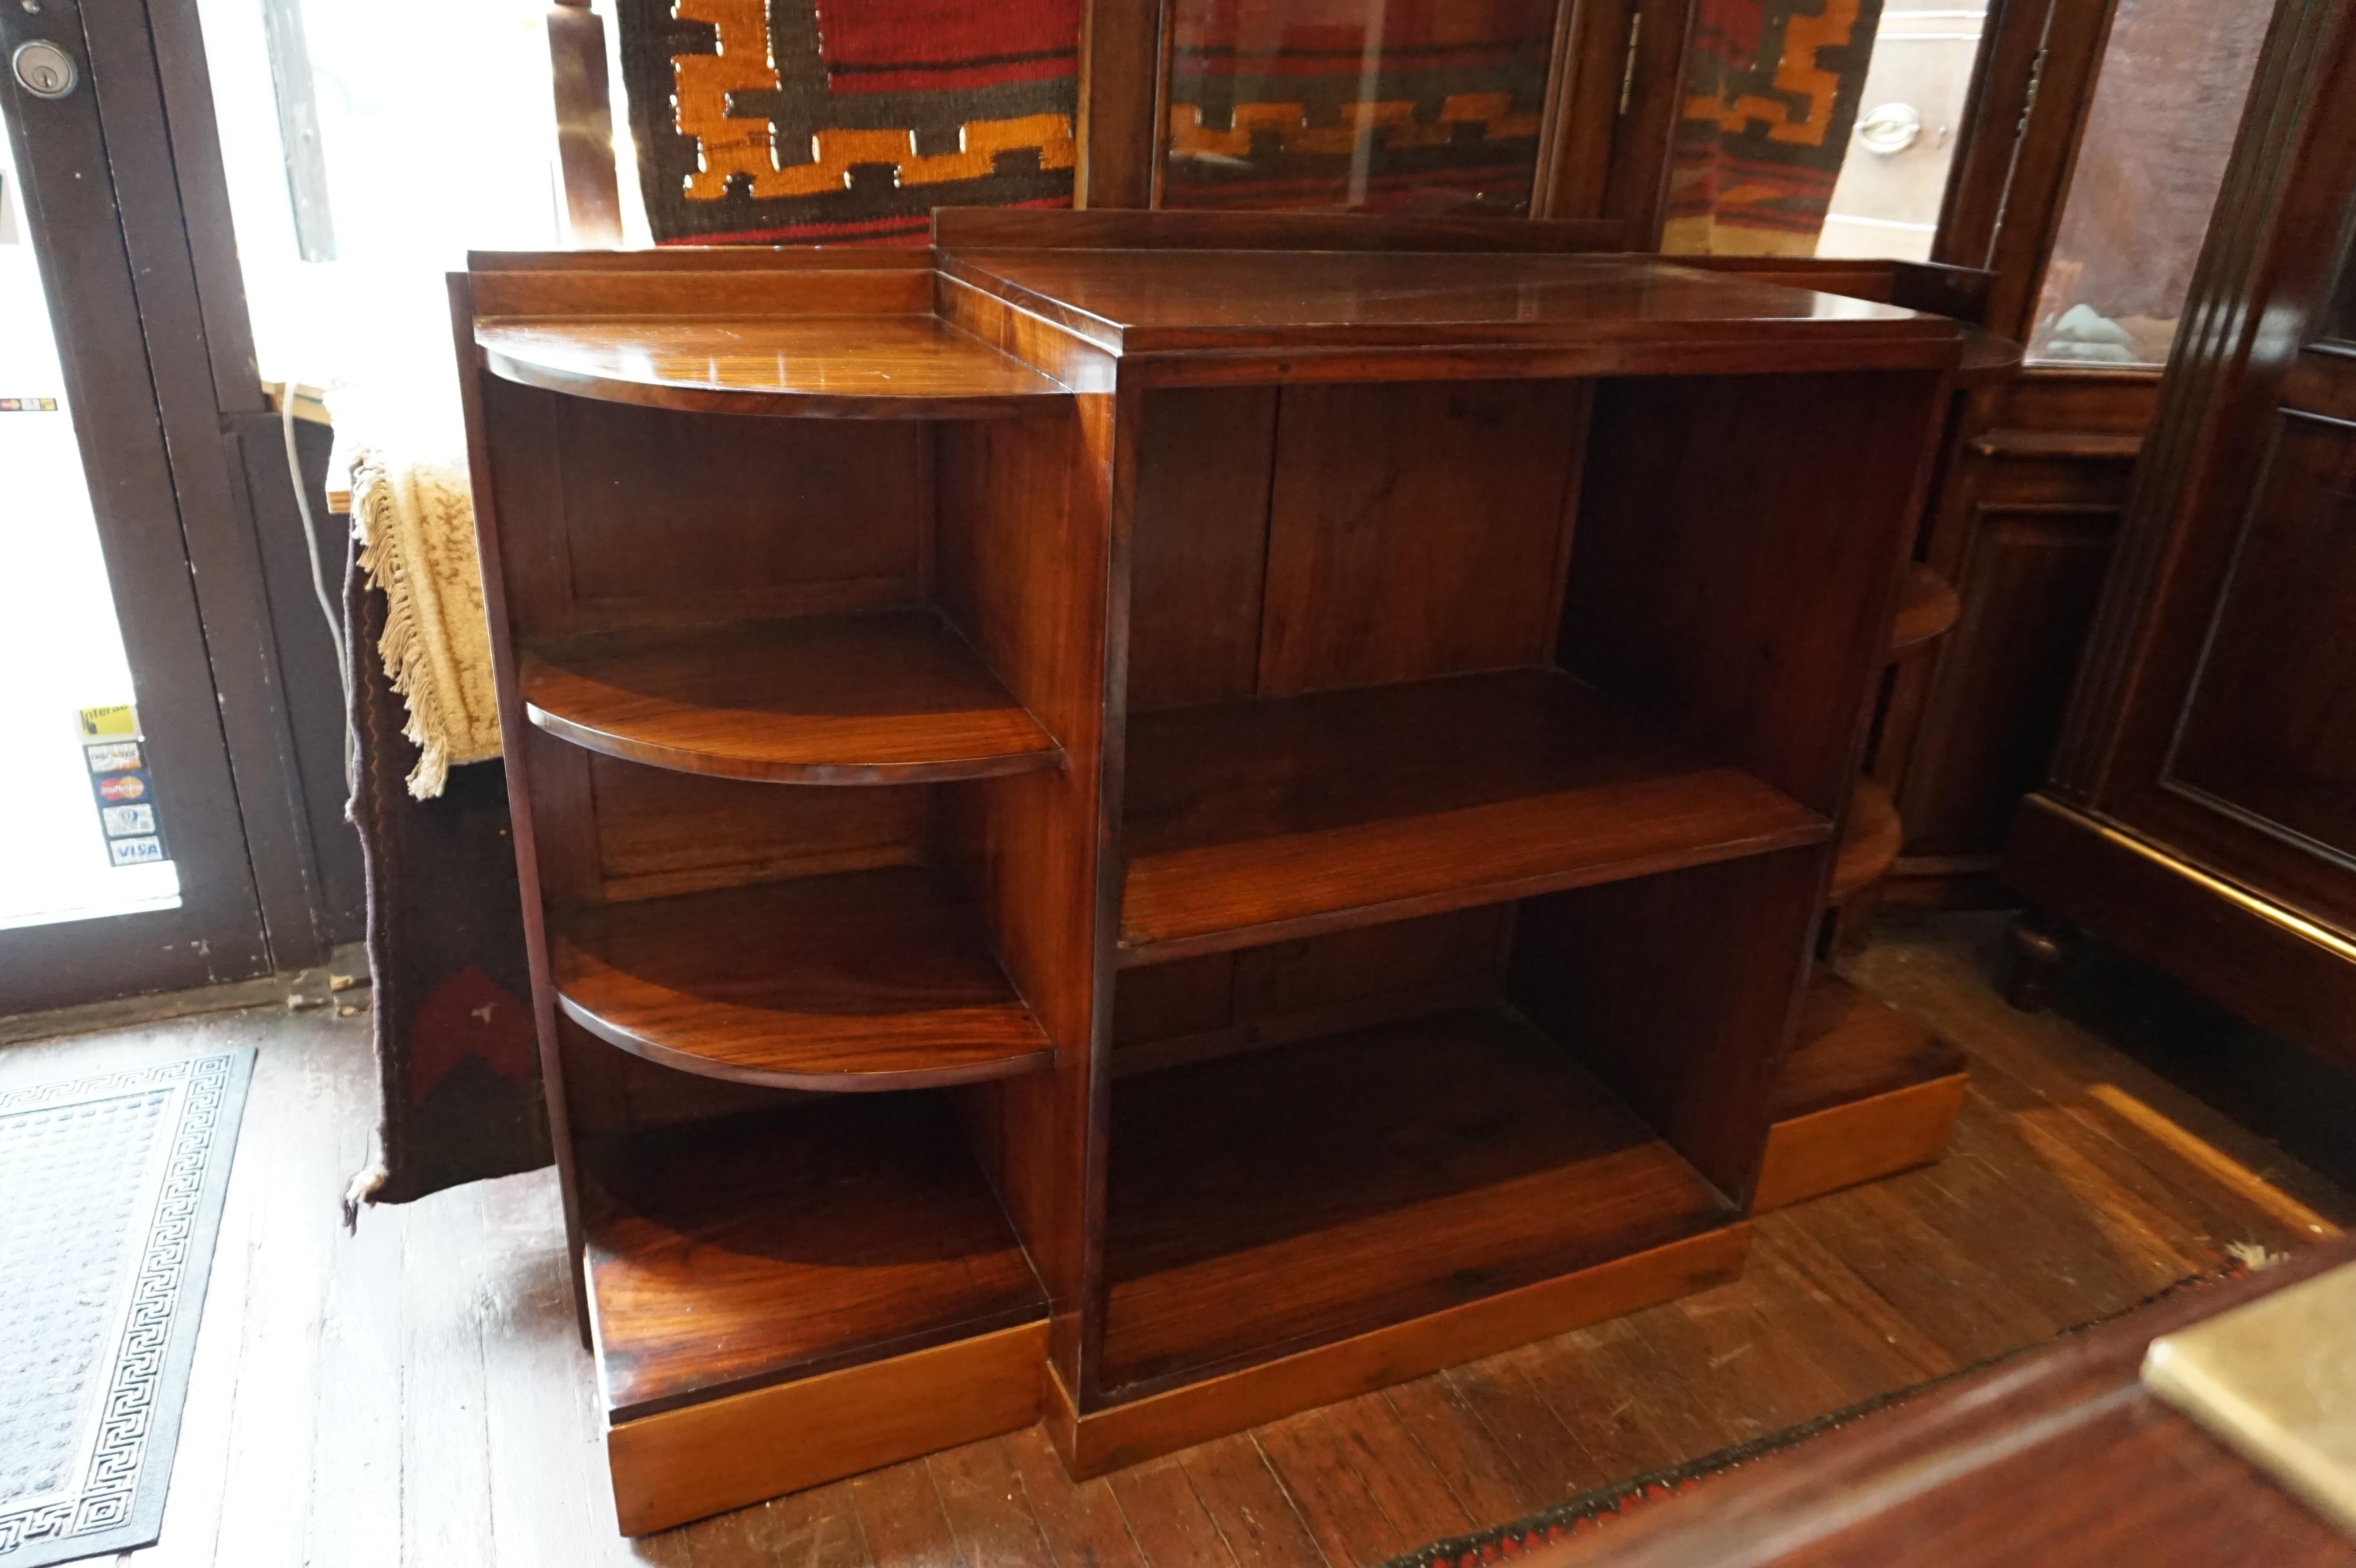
2203, 808
1123, 821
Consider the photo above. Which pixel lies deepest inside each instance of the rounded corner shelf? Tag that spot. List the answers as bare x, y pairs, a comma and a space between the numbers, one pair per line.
1928, 607
832, 366
895, 697
856, 981
1869, 841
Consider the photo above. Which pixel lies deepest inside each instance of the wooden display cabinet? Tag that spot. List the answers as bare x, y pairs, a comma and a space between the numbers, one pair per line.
1161, 836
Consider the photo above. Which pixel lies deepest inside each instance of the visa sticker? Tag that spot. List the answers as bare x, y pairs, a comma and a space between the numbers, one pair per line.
113, 756
134, 852
123, 786
121, 821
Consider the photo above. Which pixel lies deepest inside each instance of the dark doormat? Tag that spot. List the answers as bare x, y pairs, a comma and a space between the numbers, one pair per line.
1596, 1508
111, 1190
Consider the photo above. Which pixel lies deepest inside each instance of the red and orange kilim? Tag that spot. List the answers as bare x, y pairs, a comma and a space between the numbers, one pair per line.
846, 121
1771, 94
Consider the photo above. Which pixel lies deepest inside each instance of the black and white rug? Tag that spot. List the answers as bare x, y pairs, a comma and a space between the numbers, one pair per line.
110, 1191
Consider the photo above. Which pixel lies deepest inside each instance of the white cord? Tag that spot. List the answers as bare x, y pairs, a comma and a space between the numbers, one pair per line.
319, 590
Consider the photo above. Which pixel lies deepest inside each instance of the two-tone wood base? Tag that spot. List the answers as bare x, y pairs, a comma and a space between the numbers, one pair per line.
1864, 1095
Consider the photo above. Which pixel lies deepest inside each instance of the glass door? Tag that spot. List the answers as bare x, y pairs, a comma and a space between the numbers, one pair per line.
123, 859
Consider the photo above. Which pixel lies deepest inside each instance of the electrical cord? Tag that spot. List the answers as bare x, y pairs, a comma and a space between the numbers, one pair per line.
319, 588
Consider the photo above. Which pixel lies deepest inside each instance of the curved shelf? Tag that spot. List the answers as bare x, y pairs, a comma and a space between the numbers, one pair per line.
895, 698
1869, 841
864, 980
827, 367
1927, 608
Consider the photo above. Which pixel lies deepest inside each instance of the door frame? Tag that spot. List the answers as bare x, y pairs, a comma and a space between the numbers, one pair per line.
128, 219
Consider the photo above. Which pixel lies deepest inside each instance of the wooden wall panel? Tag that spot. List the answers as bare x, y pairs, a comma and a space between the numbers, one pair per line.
1199, 545
1415, 529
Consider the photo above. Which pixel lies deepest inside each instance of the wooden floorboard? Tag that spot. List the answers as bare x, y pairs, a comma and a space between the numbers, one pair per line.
416, 1396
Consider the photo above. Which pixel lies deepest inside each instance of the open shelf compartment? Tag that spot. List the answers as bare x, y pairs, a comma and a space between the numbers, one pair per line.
1247, 822
888, 696
875, 979
1263, 1202
726, 1256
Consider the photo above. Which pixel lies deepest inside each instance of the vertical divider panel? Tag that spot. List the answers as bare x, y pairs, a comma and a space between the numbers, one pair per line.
1024, 565
492, 551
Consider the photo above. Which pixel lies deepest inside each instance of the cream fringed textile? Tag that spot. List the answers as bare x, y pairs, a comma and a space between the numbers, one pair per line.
415, 523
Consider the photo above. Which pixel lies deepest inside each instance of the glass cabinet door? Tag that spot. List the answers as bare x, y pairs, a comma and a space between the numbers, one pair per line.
1367, 105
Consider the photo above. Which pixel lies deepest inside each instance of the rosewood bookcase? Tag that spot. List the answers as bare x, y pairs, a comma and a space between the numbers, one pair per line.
1158, 835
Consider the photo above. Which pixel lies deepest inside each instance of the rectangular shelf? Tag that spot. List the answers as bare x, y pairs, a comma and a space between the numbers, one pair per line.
1254, 822
859, 980
892, 697
1262, 1203
729, 1256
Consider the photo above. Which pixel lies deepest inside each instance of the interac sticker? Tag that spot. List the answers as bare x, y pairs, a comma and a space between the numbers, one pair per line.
113, 751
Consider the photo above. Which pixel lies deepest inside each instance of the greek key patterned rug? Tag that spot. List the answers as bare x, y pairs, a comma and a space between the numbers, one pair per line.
111, 1190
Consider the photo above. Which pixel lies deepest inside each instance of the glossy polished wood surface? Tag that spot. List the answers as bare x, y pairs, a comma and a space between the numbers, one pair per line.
1271, 1201
883, 698
1142, 301
1870, 838
846, 367
726, 1256
1927, 607
1849, 1047
1248, 822
861, 980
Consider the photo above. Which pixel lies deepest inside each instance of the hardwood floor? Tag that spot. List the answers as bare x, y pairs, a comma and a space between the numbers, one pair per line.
414, 1394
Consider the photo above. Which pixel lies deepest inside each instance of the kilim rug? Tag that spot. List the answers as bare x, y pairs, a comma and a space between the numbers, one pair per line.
458, 1055
111, 1190
1400, 104
1598, 1508
1773, 89
812, 122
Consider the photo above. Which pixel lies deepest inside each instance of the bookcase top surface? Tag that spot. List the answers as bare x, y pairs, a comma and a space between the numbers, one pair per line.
1142, 301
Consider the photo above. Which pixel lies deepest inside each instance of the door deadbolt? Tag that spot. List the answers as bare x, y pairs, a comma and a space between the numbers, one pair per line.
43, 70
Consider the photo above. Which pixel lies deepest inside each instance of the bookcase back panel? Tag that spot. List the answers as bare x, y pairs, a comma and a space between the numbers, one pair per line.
1721, 519
1414, 529
1164, 1014
660, 832
1315, 536
614, 515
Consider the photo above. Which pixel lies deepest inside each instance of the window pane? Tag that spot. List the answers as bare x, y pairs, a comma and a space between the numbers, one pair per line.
365, 156
1820, 129
1377, 105
2174, 78
84, 829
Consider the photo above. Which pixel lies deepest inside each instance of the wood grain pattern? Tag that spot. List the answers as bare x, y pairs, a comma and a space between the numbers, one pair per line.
1864, 1093
1199, 545
343, 1390
884, 698
725, 1257
2061, 1459
1870, 836
1142, 302
1256, 821
1927, 607
861, 980
682, 1465
1239, 1228
866, 367
1125, 1434
1415, 530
